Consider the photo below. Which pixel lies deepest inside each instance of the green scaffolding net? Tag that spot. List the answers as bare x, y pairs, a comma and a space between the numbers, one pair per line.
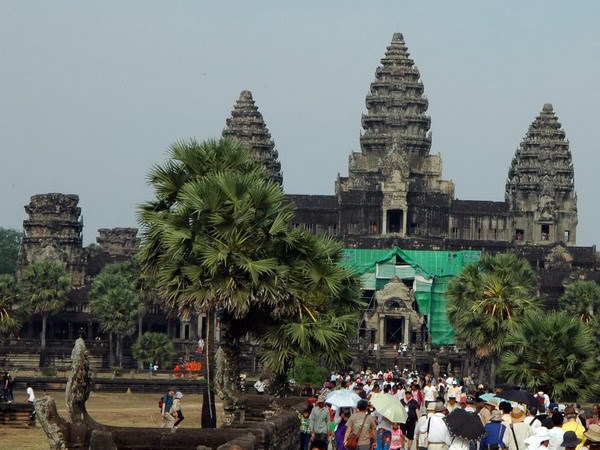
431, 272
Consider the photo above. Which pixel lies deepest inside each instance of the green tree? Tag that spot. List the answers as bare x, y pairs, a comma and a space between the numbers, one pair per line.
152, 348
308, 370
218, 238
46, 286
11, 311
582, 299
10, 240
115, 302
553, 350
487, 301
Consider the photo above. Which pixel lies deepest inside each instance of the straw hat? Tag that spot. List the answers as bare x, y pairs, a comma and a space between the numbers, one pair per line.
517, 415
431, 406
321, 399
492, 402
439, 407
593, 433
496, 416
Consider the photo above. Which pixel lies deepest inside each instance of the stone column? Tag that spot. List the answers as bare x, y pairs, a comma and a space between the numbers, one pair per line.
200, 323
404, 221
406, 329
381, 330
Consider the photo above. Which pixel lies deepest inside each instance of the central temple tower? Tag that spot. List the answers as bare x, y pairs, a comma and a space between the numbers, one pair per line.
394, 186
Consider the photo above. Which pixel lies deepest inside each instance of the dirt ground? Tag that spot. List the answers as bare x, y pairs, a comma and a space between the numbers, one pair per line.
113, 409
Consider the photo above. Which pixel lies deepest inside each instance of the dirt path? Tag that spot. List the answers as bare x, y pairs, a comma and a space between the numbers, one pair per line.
113, 409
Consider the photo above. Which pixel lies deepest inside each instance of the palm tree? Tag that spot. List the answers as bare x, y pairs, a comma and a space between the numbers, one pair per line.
582, 299
152, 348
10, 299
116, 304
218, 238
46, 287
487, 301
555, 350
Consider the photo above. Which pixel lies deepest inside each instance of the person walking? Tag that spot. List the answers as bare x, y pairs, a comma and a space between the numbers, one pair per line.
166, 409
30, 399
8, 383
177, 413
435, 430
572, 424
495, 430
570, 441
318, 421
363, 425
518, 430
260, 386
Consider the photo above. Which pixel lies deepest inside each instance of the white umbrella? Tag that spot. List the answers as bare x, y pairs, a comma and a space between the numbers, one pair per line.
342, 398
389, 406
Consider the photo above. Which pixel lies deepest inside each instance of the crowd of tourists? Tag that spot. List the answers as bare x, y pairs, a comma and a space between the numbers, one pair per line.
407, 411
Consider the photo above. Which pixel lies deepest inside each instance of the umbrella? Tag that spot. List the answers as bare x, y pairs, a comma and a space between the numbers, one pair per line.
487, 397
465, 425
516, 395
389, 406
342, 398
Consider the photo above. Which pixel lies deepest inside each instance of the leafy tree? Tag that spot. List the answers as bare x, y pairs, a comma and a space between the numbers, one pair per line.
153, 348
554, 350
46, 286
116, 303
309, 370
487, 301
10, 240
582, 299
10, 299
219, 238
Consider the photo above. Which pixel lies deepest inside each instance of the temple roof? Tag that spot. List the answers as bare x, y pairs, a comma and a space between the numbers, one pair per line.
247, 124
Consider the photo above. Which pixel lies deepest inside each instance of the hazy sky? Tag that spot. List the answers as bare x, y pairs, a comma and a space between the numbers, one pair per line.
92, 93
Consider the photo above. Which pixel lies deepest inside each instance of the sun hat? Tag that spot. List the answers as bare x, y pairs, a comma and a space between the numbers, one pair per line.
492, 402
496, 416
593, 433
570, 440
431, 406
439, 407
517, 415
480, 386
178, 394
321, 399
540, 435
471, 400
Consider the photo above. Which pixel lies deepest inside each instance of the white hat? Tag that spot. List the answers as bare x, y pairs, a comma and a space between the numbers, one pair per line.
540, 435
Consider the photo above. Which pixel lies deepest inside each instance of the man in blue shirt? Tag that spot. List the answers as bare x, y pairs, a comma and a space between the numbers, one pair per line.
495, 433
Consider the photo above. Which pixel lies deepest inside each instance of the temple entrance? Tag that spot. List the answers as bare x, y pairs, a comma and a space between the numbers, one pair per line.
394, 330
395, 221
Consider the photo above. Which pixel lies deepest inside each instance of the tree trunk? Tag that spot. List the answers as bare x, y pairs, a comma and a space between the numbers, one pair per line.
43, 334
227, 364
493, 366
209, 413
480, 371
140, 325
120, 350
111, 352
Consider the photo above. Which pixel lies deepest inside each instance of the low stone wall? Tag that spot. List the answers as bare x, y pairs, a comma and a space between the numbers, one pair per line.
15, 414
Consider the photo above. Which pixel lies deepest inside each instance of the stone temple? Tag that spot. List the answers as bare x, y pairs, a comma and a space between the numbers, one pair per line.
394, 196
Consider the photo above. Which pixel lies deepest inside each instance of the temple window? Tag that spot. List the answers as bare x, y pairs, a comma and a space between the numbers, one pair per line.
395, 220
519, 234
545, 232
373, 227
566, 236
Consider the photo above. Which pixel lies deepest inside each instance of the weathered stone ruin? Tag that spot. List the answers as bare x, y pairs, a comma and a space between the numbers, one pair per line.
80, 431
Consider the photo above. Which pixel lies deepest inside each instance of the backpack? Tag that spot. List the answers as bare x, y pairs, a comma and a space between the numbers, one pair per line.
160, 404
541, 399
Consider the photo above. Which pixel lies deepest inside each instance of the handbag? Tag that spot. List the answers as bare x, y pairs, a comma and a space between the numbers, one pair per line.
352, 441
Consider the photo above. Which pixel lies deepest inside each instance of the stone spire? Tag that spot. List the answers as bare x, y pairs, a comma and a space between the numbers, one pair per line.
396, 105
246, 124
540, 186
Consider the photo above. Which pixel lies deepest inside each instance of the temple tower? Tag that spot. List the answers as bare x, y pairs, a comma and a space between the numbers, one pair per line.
121, 243
246, 124
540, 187
394, 174
53, 232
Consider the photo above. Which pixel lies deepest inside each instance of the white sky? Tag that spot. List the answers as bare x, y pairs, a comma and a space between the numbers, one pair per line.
92, 93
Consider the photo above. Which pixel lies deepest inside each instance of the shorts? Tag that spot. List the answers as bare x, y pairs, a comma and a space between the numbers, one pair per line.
409, 429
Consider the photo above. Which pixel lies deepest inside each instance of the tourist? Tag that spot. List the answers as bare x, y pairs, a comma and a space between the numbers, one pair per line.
201, 345
30, 398
506, 409
570, 441
319, 420
429, 392
452, 405
556, 432
305, 428
470, 404
384, 431
518, 430
412, 408
532, 420
486, 412
8, 383
342, 416
495, 431
420, 436
435, 429
259, 386
397, 441
166, 409
592, 438
307, 391
319, 444
595, 418
363, 425
177, 413
539, 440
572, 424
